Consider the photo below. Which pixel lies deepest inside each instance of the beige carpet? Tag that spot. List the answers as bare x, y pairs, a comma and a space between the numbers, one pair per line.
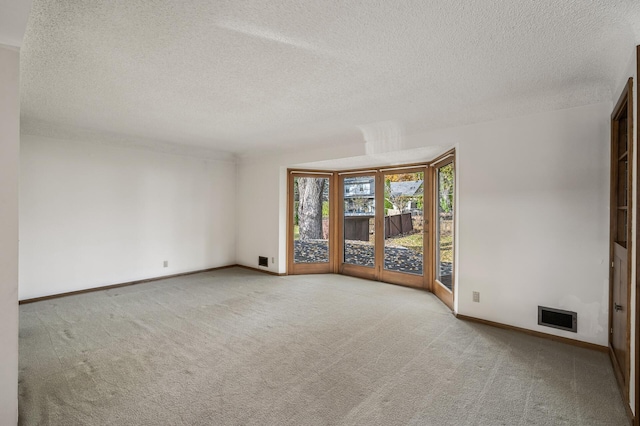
235, 347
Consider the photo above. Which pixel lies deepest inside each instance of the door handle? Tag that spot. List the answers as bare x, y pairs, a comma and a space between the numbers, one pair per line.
617, 307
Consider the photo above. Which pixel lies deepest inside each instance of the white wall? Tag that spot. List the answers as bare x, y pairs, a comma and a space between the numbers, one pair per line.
533, 215
259, 229
262, 203
94, 214
9, 162
533, 218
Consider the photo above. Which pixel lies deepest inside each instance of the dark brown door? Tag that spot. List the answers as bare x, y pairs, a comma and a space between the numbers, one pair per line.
619, 287
619, 309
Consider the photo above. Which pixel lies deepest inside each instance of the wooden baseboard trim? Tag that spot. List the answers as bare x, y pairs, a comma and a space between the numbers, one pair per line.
264, 271
632, 418
578, 343
622, 387
108, 287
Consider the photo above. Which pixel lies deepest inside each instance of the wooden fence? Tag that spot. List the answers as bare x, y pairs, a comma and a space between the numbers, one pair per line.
357, 227
397, 224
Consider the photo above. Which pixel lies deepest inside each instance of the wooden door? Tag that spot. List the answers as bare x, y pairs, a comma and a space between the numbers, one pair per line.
443, 226
391, 224
619, 327
382, 226
620, 237
403, 236
310, 222
359, 224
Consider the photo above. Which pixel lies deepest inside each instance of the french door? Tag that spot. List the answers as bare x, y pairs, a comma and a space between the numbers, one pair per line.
311, 223
359, 231
394, 225
383, 228
443, 228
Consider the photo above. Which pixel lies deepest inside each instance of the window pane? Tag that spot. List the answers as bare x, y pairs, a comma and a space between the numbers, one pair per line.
444, 225
310, 220
622, 136
623, 173
359, 220
621, 227
403, 222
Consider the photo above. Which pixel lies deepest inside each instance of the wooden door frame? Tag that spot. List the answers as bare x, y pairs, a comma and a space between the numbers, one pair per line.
378, 273
636, 420
404, 278
336, 232
443, 293
347, 268
310, 268
625, 99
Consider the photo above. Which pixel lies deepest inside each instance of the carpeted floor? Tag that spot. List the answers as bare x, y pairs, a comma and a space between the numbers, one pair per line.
236, 347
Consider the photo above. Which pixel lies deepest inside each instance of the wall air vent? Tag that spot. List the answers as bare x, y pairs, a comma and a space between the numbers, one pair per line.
557, 318
263, 261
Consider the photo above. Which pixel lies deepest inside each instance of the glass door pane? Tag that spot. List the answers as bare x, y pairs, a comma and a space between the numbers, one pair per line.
444, 225
404, 222
359, 220
310, 220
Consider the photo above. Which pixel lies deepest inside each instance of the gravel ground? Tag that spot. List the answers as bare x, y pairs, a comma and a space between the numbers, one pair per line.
396, 258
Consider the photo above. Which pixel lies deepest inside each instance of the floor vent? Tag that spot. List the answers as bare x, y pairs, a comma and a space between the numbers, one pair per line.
263, 261
557, 318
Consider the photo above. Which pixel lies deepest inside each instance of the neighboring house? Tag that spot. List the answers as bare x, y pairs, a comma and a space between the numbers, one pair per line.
407, 190
359, 196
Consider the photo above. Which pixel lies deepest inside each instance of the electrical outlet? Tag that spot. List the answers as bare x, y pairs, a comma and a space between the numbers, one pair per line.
165, 263
273, 260
476, 296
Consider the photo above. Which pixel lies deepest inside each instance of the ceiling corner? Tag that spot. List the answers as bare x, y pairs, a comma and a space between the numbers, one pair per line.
14, 15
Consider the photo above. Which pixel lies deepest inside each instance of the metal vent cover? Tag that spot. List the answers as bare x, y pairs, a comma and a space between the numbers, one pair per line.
558, 318
263, 261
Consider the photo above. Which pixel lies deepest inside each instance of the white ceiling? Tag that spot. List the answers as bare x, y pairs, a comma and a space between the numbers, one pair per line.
242, 76
13, 20
393, 158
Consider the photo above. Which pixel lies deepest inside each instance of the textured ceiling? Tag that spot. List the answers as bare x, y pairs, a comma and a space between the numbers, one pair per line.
393, 158
13, 21
244, 76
